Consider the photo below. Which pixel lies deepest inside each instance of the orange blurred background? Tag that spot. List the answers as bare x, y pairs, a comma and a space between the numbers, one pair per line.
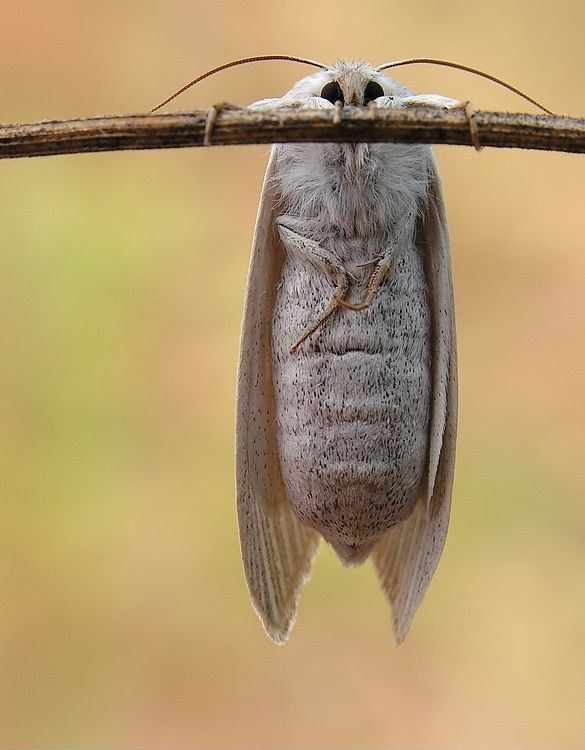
125, 619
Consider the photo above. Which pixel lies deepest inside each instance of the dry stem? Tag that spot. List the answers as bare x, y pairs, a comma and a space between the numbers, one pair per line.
244, 126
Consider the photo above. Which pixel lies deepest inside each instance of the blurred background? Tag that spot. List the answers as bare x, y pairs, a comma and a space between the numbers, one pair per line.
125, 619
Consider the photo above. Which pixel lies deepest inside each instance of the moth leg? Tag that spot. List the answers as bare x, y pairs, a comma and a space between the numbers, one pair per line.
377, 276
324, 260
383, 266
214, 110
469, 110
373, 262
311, 102
444, 102
337, 299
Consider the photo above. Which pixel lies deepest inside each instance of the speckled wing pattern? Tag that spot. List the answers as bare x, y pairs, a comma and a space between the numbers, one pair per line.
277, 550
407, 555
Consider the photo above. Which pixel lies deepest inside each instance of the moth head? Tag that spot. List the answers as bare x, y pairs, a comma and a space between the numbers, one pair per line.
348, 81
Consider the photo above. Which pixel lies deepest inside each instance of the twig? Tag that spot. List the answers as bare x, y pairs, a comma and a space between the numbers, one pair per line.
244, 126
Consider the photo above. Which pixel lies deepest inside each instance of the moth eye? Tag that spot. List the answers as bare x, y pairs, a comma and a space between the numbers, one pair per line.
373, 91
332, 92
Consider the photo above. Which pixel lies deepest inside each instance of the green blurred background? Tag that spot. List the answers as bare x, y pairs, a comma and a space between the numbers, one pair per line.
124, 616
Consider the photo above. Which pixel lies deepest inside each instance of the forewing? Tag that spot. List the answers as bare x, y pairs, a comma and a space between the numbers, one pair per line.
407, 555
277, 551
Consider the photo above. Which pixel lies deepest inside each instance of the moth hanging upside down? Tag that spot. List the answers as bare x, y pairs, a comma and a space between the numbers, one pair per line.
347, 383
347, 393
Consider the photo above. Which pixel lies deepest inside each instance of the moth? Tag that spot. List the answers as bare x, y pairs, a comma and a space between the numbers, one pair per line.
347, 380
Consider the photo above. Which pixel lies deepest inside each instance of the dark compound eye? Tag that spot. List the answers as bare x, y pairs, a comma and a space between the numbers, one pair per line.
373, 91
332, 92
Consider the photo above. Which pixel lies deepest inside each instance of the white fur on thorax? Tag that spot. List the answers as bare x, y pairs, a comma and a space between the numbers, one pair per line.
360, 189
356, 189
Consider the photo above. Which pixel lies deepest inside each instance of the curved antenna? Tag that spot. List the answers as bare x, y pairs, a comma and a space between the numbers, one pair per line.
232, 64
467, 69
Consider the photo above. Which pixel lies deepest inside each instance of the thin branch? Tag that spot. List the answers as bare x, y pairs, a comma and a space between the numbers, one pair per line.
245, 126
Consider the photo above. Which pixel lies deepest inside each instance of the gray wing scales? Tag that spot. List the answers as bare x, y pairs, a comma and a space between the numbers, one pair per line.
407, 555
277, 550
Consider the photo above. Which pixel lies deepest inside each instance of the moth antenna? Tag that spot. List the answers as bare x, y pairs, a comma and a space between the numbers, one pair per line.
232, 64
467, 69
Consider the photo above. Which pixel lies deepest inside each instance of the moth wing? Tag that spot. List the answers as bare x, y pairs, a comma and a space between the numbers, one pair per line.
407, 555
277, 550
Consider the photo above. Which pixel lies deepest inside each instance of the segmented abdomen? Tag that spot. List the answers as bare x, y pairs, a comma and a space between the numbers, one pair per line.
353, 402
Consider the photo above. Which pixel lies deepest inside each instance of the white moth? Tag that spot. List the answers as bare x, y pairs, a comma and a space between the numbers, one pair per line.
347, 386
347, 382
